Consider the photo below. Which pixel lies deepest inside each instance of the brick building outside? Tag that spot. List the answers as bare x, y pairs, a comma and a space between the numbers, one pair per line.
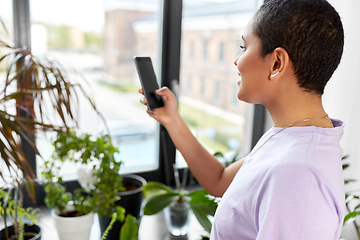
211, 35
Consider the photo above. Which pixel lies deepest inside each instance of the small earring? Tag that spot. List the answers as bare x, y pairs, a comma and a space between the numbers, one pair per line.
274, 75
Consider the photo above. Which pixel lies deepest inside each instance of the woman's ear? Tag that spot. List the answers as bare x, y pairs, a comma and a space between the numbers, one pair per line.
280, 62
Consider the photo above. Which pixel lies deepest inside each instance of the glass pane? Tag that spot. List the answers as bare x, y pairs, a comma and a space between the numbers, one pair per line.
6, 35
6, 27
100, 39
208, 94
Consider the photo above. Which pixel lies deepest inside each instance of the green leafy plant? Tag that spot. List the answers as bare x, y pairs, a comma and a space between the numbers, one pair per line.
37, 90
111, 224
40, 89
130, 228
352, 201
11, 208
160, 196
105, 177
227, 161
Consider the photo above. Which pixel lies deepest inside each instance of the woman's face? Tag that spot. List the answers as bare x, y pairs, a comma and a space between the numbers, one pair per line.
253, 69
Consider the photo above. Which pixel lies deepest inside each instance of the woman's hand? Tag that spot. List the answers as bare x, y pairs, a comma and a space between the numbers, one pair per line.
166, 114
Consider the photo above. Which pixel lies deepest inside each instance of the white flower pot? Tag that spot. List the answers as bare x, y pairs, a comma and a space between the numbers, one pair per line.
73, 228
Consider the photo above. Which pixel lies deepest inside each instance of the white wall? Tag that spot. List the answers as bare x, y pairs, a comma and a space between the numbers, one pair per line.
342, 95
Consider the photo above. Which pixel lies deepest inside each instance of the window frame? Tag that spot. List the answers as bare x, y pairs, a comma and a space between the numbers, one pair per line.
170, 36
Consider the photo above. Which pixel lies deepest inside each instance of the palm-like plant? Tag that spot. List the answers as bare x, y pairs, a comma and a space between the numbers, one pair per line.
41, 89
37, 95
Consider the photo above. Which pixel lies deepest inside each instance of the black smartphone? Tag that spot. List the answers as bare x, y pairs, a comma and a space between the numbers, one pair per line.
148, 81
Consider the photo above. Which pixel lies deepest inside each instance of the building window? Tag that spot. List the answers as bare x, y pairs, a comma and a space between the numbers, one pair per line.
192, 50
101, 45
189, 85
221, 52
202, 86
202, 111
205, 51
217, 92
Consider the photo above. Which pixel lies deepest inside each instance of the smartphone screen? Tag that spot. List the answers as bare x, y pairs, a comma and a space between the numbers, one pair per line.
148, 82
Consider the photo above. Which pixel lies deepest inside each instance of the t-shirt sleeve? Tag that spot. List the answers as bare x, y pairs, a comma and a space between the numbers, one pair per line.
294, 203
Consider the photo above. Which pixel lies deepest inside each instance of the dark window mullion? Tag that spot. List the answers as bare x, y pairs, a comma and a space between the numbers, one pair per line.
22, 38
170, 74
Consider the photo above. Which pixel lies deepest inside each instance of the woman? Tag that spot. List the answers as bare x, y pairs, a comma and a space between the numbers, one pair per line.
290, 187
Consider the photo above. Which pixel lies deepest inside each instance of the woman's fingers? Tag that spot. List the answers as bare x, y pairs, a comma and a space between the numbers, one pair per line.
166, 93
143, 100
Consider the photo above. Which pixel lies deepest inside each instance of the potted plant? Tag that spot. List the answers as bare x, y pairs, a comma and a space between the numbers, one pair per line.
352, 202
37, 91
177, 205
24, 218
103, 186
179, 202
38, 87
130, 199
72, 212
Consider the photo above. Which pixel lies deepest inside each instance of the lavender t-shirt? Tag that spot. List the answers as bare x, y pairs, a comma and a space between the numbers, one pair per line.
290, 189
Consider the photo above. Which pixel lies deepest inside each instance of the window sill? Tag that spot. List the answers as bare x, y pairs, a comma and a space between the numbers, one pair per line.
151, 227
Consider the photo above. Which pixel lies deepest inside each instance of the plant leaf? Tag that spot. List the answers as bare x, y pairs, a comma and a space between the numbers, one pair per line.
49, 80
129, 230
350, 217
152, 189
219, 154
158, 203
202, 216
346, 181
357, 207
350, 197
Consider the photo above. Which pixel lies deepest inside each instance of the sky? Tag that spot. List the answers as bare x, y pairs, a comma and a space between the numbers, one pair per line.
86, 14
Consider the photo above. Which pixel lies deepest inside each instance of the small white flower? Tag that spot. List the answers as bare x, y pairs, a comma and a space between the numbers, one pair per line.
86, 179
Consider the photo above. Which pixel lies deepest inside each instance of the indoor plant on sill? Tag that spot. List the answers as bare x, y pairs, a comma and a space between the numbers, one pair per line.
23, 226
177, 204
35, 88
102, 183
352, 201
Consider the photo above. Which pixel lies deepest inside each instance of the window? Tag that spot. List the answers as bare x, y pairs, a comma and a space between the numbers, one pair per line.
217, 94
78, 43
192, 50
202, 86
205, 51
6, 16
101, 44
6, 33
221, 52
189, 85
212, 114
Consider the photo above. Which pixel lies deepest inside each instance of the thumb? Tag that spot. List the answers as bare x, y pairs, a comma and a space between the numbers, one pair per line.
165, 92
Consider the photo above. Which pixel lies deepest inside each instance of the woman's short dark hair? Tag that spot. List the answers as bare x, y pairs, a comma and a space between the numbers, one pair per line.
310, 31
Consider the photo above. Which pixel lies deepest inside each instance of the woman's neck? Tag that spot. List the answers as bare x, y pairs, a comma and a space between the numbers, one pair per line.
292, 110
